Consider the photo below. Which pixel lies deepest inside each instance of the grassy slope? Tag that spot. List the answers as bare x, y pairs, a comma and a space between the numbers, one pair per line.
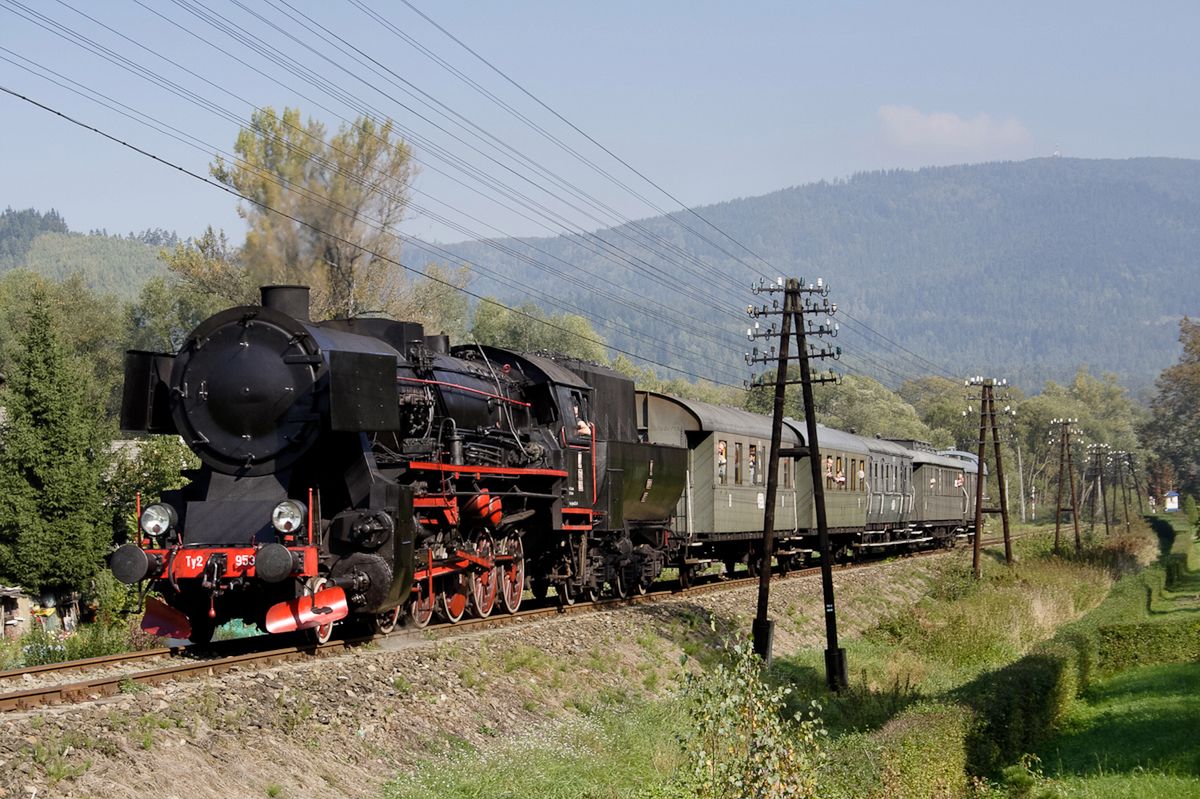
1132, 735
1135, 734
631, 749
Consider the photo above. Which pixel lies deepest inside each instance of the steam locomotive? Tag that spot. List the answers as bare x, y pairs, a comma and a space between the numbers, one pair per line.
357, 470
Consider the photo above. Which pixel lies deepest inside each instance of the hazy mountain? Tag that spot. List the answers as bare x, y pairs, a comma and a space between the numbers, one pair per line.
42, 243
1022, 269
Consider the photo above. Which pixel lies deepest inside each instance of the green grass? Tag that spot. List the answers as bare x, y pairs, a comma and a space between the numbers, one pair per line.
612, 753
1136, 733
1147, 718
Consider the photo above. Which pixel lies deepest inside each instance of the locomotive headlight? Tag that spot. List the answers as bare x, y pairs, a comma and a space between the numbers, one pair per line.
158, 519
288, 516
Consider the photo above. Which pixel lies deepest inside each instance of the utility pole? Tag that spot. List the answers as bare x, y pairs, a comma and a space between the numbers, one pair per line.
1104, 488
1065, 461
1122, 460
1137, 486
1096, 472
799, 300
987, 418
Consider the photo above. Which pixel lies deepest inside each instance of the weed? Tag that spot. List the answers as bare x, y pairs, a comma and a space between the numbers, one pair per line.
274, 790
131, 686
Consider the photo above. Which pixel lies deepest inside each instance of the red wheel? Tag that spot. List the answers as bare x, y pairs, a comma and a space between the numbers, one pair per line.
384, 623
512, 576
453, 597
321, 634
420, 607
483, 584
566, 594
620, 585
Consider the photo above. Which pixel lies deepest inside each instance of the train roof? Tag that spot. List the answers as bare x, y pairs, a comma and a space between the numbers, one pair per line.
830, 437
883, 446
970, 459
921, 458
724, 419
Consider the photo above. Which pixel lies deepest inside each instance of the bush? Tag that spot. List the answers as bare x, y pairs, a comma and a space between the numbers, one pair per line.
1125, 646
739, 744
1020, 706
1190, 510
923, 752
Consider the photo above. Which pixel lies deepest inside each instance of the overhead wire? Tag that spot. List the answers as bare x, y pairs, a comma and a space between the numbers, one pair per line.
191, 141
690, 211
185, 171
346, 98
217, 109
241, 34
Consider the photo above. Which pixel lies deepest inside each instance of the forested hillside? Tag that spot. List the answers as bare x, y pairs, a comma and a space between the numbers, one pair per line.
1024, 269
109, 264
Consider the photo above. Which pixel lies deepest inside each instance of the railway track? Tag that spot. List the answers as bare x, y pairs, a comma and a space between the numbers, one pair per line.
185, 662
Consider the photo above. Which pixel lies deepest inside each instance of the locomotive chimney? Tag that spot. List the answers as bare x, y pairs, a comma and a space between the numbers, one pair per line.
291, 300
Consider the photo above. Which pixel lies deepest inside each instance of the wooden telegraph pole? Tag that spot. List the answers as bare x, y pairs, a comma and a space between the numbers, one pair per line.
798, 300
1065, 462
987, 418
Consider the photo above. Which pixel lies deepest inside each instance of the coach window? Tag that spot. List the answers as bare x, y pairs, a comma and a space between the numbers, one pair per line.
722, 462
839, 474
785, 468
737, 462
753, 464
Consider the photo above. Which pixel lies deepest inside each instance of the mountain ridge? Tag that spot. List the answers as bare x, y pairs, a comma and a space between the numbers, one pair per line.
1007, 267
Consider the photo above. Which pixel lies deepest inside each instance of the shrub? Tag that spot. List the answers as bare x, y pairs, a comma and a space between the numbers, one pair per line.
1019, 706
1125, 646
1190, 510
923, 752
739, 744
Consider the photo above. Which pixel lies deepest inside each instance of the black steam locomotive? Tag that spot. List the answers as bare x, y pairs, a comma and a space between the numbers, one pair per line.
354, 469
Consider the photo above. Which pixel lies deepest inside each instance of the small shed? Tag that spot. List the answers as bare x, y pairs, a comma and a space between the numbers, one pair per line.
16, 608
1172, 502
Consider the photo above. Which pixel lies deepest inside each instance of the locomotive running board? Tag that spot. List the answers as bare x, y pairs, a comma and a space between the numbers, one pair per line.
306, 612
165, 621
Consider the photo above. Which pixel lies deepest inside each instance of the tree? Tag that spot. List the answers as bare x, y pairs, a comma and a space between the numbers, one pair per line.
89, 324
940, 403
529, 329
323, 213
210, 268
18, 229
869, 408
164, 313
54, 527
149, 466
1174, 425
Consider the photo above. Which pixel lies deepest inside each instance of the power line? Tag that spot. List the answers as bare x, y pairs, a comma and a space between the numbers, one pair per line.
395, 262
191, 96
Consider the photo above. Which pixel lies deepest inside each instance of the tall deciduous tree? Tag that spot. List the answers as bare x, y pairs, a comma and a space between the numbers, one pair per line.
1174, 427
54, 526
323, 212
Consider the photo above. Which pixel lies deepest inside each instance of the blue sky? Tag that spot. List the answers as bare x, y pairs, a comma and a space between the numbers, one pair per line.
712, 100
